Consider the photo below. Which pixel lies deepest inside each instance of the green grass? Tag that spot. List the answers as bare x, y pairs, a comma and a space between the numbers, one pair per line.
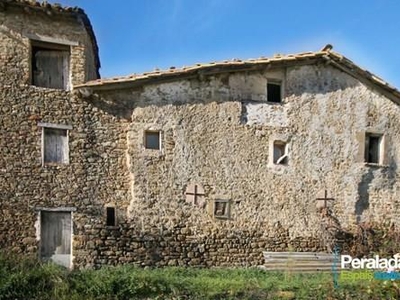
27, 278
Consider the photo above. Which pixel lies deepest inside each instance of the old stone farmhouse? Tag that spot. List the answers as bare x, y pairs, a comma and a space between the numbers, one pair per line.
206, 165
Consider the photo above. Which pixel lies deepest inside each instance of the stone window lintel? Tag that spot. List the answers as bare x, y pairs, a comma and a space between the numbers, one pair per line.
55, 126
51, 40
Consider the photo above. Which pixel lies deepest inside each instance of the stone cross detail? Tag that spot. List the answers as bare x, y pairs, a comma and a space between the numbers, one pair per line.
325, 198
196, 193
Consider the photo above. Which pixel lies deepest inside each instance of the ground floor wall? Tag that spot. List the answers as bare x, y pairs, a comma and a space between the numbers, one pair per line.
95, 244
98, 246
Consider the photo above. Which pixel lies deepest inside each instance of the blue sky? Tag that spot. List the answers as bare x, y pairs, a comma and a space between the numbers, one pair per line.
135, 36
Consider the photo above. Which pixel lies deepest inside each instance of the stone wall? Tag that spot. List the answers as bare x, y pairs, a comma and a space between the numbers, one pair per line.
212, 139
210, 136
180, 246
95, 174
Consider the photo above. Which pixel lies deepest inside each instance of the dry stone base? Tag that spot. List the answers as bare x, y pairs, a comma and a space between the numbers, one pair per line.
98, 246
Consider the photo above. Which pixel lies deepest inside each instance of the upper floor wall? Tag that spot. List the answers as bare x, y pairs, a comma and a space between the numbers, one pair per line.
46, 46
264, 141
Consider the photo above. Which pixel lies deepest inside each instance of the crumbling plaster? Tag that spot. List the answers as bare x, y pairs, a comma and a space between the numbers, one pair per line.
206, 140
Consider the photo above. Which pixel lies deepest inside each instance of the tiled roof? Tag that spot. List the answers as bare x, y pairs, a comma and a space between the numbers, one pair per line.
225, 65
57, 10
172, 73
44, 6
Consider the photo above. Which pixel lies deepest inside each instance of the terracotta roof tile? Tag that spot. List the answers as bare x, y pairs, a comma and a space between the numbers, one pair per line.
202, 66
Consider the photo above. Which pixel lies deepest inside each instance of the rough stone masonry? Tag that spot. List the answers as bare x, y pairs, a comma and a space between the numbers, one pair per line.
207, 165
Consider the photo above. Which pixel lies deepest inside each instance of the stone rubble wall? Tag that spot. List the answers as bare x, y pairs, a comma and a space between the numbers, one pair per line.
126, 244
96, 173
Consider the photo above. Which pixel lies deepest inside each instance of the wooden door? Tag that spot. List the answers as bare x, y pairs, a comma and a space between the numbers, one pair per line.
55, 237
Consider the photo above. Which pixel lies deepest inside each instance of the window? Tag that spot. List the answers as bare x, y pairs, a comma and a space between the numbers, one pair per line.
50, 65
280, 153
274, 92
152, 140
221, 209
55, 148
373, 148
110, 216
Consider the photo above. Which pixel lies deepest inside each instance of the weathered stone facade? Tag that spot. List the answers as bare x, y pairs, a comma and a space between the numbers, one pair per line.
214, 133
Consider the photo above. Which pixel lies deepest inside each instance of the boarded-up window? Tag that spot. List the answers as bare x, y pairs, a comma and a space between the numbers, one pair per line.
373, 148
274, 92
50, 65
152, 140
280, 153
55, 146
221, 208
110, 216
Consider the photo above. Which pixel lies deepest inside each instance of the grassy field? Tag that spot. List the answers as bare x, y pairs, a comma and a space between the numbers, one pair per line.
22, 278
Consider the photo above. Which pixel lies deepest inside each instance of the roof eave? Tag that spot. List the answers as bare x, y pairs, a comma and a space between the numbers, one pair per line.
193, 73
364, 76
337, 60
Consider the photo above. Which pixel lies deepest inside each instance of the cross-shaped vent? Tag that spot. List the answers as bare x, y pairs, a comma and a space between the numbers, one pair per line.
195, 195
322, 199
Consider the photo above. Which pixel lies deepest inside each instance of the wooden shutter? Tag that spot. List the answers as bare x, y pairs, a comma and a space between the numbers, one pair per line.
51, 69
55, 146
385, 150
360, 140
55, 236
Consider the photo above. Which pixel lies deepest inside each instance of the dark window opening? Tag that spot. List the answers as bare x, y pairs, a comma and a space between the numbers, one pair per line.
152, 140
274, 92
110, 216
280, 153
50, 65
55, 145
221, 209
373, 148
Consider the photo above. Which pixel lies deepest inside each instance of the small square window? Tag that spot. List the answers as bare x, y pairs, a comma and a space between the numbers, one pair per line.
110, 216
50, 65
221, 209
55, 146
274, 92
152, 140
280, 153
373, 148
